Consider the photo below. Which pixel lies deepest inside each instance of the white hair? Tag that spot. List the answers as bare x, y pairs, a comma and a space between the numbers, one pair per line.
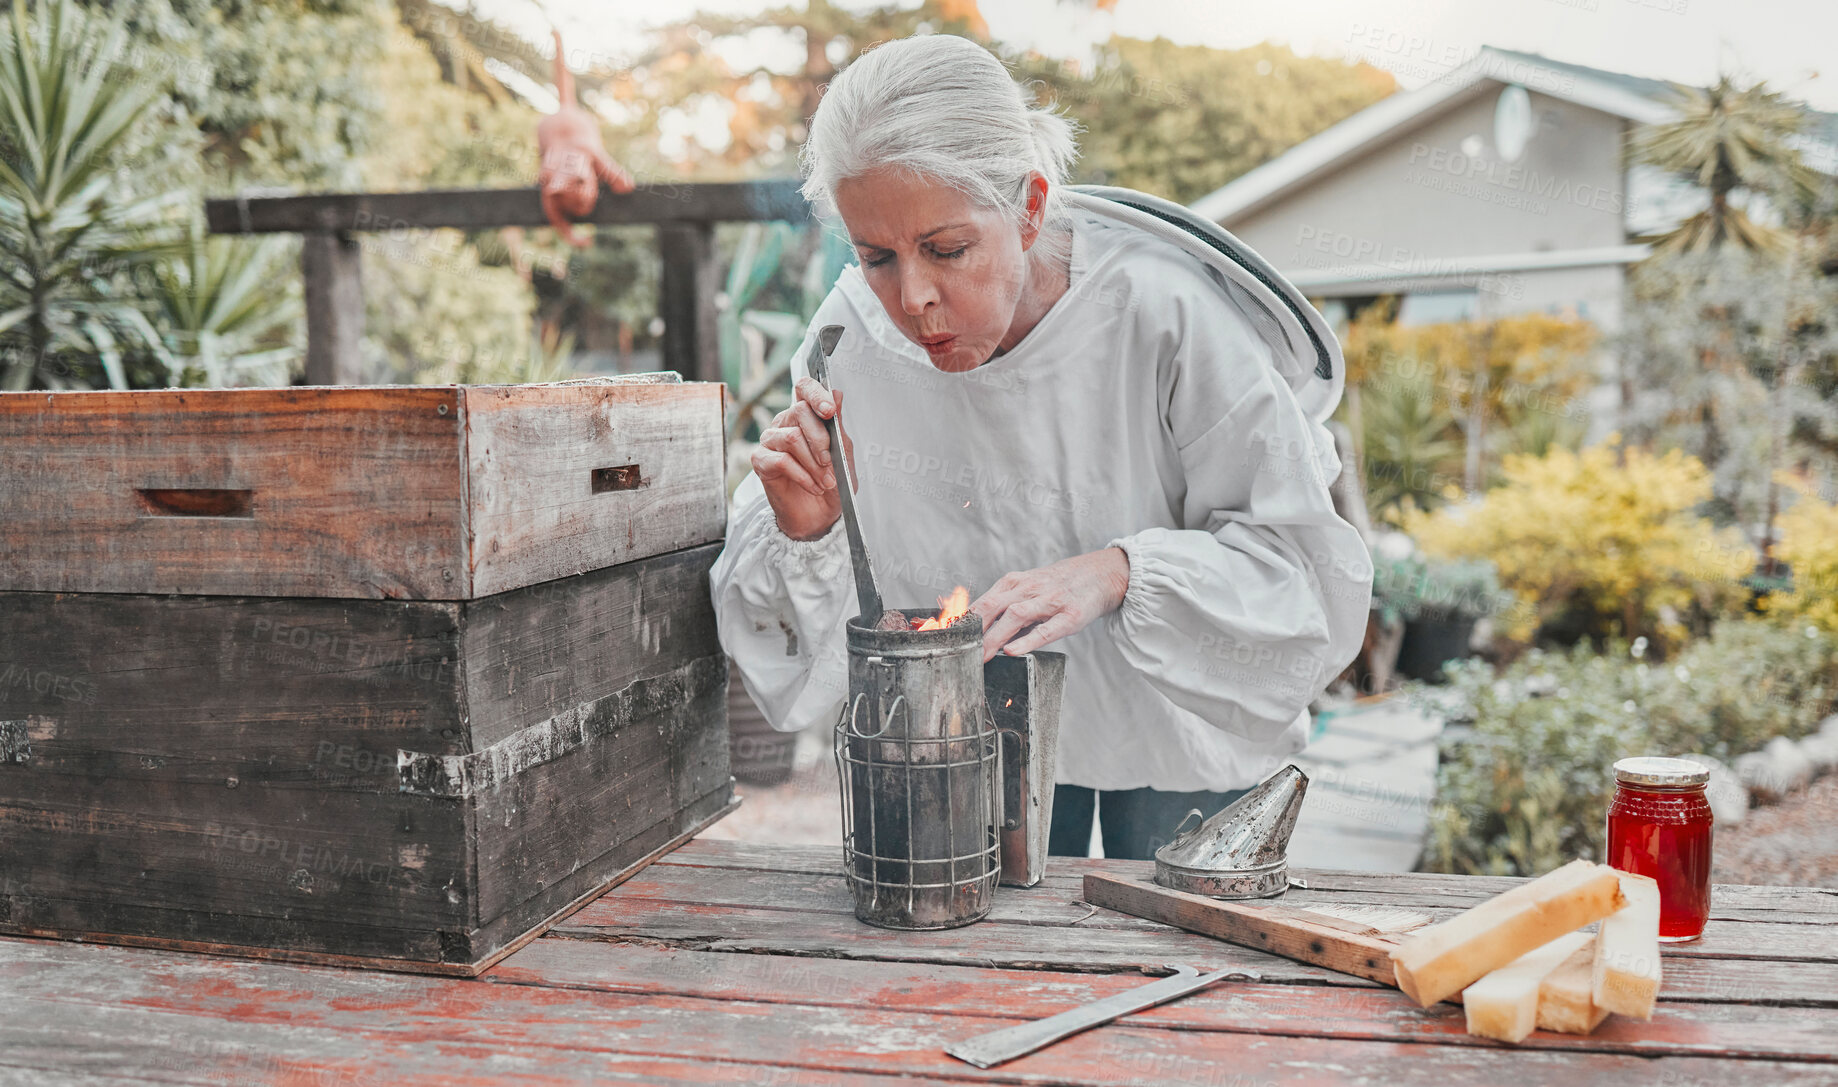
945, 108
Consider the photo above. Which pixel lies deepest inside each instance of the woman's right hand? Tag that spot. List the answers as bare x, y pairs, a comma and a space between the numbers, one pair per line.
795, 465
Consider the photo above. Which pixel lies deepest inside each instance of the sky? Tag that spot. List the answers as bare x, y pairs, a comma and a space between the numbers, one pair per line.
1786, 42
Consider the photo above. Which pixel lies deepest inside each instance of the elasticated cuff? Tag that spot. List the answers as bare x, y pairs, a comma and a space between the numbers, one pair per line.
821, 559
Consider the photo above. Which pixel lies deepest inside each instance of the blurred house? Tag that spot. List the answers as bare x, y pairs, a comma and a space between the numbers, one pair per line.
1503, 187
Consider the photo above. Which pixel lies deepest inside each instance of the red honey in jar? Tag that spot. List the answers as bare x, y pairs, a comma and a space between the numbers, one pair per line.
1659, 825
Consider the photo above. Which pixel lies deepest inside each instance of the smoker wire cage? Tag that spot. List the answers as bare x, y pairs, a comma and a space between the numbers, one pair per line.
919, 760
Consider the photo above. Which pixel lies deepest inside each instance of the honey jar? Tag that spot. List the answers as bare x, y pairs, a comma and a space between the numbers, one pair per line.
1659, 825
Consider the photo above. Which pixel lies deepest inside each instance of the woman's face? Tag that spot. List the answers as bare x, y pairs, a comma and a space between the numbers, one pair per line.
949, 272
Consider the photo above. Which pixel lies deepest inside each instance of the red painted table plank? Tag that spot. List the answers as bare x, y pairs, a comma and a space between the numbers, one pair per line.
645, 986
85, 1010
383, 1028
1237, 1007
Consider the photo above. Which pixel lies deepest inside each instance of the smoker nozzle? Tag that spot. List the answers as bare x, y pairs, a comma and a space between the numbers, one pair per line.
1241, 852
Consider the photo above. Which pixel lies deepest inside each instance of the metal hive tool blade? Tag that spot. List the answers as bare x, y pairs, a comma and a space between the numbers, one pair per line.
868, 595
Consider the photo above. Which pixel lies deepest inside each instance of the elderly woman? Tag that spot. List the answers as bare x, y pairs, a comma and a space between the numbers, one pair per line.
1067, 415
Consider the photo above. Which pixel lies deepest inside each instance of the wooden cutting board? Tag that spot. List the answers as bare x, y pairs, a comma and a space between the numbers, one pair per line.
1357, 941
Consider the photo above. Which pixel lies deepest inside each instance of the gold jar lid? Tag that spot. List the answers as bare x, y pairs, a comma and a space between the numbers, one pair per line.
1663, 773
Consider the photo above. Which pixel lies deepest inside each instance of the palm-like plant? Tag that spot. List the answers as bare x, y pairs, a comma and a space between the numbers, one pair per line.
1727, 138
222, 315
1536, 431
69, 233
1410, 455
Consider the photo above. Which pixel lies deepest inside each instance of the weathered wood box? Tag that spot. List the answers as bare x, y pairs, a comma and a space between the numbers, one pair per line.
386, 676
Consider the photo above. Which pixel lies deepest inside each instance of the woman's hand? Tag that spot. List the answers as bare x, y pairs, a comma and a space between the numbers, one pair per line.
1047, 604
795, 466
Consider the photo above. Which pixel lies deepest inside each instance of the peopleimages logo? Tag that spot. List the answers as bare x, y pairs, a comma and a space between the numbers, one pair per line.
1515, 178
262, 851
19, 679
1367, 259
1419, 56
958, 481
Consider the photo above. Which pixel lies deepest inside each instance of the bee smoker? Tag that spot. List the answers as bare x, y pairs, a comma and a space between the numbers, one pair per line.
921, 761
918, 757
918, 750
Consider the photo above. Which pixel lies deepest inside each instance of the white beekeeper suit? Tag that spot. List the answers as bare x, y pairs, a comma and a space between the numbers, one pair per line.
1168, 405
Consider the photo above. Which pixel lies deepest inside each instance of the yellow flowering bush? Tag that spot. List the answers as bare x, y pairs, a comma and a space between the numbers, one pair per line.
1601, 542
1412, 397
1519, 355
1809, 546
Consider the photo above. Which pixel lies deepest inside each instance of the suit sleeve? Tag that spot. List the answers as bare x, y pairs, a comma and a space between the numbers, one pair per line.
1245, 613
780, 605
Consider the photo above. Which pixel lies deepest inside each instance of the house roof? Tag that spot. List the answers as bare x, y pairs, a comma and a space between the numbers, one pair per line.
1640, 100
1653, 89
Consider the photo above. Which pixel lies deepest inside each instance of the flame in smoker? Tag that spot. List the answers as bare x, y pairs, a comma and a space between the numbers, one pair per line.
950, 610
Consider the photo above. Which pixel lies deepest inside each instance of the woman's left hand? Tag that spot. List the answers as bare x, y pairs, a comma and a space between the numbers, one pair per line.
1049, 603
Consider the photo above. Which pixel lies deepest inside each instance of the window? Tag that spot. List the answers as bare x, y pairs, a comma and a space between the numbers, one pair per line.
1436, 307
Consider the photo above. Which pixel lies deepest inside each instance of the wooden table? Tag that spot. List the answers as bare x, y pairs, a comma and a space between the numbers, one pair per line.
734, 963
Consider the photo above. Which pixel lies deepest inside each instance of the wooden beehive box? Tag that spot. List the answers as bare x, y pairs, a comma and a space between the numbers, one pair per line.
385, 676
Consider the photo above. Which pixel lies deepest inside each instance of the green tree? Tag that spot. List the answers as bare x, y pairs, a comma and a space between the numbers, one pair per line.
282, 92
1411, 451
1729, 333
1181, 120
1491, 387
440, 303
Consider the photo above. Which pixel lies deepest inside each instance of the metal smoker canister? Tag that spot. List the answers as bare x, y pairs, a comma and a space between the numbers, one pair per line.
917, 752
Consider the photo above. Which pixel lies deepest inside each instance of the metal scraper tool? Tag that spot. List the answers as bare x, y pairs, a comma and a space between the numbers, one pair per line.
989, 1050
817, 364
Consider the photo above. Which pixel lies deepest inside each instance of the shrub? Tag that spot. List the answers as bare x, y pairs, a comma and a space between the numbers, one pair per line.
1527, 362
1525, 778
1602, 549
1809, 546
1415, 587
1521, 791
1744, 685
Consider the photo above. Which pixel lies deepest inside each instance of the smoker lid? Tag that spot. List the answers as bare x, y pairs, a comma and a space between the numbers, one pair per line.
1252, 833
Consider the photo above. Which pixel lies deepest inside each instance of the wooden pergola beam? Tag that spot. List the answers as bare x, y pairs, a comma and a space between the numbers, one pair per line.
684, 215
486, 209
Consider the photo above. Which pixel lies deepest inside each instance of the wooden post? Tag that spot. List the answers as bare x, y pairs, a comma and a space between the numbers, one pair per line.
331, 265
686, 299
